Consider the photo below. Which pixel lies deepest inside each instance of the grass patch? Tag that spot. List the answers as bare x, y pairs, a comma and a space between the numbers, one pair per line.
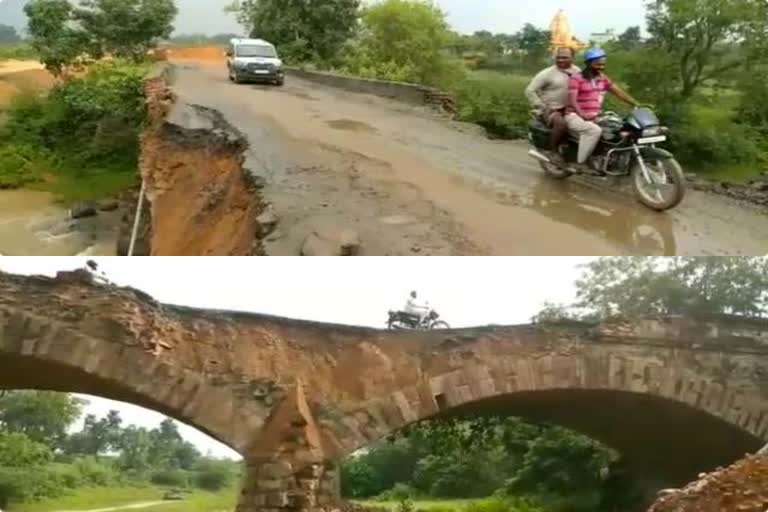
92, 497
17, 52
200, 502
425, 505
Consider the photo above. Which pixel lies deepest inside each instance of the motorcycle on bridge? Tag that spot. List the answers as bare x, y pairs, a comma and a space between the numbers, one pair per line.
402, 321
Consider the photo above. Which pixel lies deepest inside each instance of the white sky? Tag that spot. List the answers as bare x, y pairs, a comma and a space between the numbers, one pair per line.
587, 16
357, 291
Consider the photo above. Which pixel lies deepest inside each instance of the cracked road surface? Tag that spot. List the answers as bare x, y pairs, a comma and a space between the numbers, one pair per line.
410, 182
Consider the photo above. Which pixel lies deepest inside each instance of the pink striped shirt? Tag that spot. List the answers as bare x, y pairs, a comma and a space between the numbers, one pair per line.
589, 94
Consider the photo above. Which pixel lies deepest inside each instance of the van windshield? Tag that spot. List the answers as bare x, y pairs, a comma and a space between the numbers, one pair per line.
256, 50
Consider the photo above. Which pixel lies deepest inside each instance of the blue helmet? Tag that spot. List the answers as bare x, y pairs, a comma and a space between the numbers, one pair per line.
594, 54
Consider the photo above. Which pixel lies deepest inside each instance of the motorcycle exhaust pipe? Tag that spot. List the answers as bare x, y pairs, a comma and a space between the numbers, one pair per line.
538, 156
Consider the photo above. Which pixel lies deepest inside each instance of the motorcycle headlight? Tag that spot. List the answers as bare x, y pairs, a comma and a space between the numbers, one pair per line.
652, 132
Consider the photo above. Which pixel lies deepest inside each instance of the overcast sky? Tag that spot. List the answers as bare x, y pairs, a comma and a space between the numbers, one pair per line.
587, 16
360, 291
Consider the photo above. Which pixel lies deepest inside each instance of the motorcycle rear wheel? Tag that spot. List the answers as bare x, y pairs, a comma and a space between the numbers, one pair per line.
440, 325
672, 173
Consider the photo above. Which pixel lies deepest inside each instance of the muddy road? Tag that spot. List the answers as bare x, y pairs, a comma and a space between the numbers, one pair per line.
410, 182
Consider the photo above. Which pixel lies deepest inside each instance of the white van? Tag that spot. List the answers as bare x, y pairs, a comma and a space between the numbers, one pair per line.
254, 60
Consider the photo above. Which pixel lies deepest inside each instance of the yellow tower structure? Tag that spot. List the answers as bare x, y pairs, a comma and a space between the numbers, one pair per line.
562, 37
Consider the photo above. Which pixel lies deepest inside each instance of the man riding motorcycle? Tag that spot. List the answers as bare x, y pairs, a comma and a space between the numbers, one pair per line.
412, 307
548, 94
586, 93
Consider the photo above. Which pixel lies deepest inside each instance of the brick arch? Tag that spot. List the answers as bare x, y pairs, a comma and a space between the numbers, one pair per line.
293, 397
671, 380
678, 426
41, 353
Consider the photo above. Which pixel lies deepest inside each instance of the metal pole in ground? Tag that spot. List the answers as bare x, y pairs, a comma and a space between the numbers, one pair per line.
137, 220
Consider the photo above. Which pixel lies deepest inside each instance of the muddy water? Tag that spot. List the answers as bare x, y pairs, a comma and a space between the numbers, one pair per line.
32, 224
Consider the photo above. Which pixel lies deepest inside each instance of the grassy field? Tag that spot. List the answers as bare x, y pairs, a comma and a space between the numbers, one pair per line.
425, 505
90, 498
104, 497
200, 502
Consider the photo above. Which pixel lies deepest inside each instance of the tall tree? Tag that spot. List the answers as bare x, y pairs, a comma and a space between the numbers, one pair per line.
630, 38
42, 416
636, 286
709, 39
405, 40
97, 436
534, 41
303, 29
56, 40
126, 28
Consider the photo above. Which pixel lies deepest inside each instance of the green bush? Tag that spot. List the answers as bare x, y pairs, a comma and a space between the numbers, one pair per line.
95, 472
27, 484
85, 130
497, 103
399, 492
67, 475
213, 475
170, 478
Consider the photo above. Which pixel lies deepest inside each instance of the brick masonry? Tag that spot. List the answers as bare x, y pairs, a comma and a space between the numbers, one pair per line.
679, 395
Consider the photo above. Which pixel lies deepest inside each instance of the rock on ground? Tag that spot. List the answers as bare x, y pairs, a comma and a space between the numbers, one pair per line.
742, 487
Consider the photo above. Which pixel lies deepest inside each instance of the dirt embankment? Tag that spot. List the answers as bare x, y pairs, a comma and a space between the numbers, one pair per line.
201, 200
742, 487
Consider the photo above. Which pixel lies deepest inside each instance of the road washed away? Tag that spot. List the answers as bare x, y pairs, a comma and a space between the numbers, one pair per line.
396, 179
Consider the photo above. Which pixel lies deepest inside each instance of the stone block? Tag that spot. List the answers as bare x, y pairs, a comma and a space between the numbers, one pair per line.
309, 484
272, 484
276, 470
278, 499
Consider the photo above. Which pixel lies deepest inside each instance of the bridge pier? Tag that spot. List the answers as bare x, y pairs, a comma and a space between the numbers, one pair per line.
275, 486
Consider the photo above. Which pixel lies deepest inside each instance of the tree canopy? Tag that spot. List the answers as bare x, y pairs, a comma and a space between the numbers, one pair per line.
633, 286
62, 32
304, 30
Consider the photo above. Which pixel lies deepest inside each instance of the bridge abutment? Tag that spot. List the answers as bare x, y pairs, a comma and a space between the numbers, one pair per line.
275, 486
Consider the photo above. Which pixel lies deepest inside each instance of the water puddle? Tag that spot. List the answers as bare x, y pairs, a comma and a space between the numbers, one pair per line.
32, 224
350, 125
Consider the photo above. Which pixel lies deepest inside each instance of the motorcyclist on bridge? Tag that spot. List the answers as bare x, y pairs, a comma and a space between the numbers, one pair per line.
413, 307
587, 91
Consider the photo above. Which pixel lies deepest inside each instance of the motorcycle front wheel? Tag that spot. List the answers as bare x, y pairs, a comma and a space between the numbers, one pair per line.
667, 189
440, 325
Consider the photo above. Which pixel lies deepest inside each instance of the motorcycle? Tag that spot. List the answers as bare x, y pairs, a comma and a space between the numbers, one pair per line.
400, 320
626, 149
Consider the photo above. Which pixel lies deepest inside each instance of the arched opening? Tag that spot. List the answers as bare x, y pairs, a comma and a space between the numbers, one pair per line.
101, 458
572, 450
62, 451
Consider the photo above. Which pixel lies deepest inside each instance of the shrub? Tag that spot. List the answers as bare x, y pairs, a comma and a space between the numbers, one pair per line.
25, 484
497, 103
86, 128
213, 475
170, 478
95, 472
399, 492
67, 475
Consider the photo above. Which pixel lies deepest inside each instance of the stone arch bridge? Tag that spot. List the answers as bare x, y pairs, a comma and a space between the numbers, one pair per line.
675, 395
